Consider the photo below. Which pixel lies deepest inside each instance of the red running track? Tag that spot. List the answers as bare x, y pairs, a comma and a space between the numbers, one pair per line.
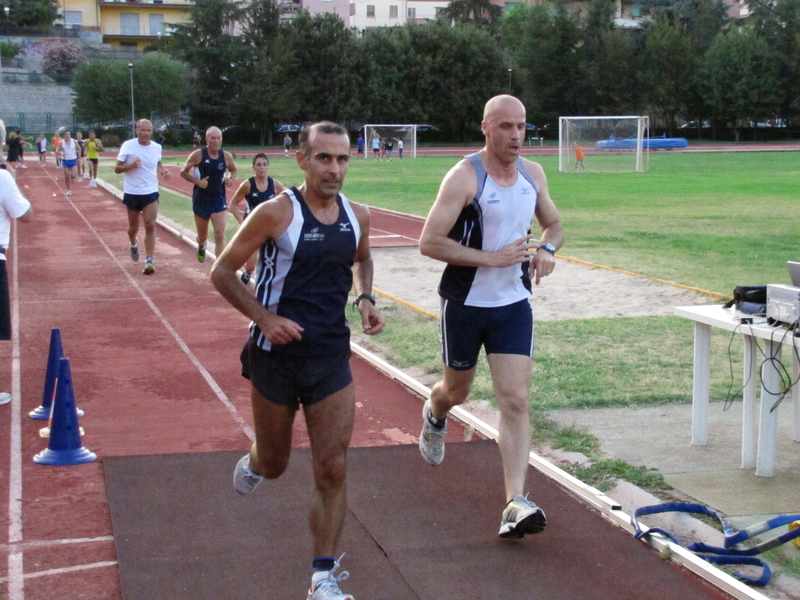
154, 361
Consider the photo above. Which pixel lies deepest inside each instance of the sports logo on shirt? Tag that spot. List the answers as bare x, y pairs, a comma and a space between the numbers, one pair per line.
492, 198
314, 235
526, 191
344, 227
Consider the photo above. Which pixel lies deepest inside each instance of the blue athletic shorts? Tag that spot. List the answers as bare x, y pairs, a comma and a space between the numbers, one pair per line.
500, 330
205, 208
137, 202
295, 380
68, 164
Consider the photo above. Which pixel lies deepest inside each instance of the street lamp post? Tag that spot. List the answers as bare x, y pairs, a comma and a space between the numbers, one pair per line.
6, 10
509, 80
133, 117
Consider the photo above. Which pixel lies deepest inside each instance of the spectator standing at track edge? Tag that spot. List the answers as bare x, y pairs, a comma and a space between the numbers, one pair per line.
13, 205
208, 195
480, 226
139, 161
316, 245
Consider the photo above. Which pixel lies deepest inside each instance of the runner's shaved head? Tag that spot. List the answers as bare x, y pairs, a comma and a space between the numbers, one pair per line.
504, 101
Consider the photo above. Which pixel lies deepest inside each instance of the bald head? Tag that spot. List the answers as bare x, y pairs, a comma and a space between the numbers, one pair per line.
214, 138
144, 131
504, 102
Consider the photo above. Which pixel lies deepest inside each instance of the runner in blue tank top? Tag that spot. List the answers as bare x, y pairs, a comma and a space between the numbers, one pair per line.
205, 168
313, 247
250, 194
480, 225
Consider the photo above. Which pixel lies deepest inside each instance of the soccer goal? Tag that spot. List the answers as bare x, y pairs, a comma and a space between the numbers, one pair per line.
406, 133
603, 144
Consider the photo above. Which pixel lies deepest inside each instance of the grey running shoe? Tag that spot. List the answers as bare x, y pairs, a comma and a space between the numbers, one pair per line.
244, 480
246, 275
325, 585
201, 253
149, 267
5, 398
431, 440
135, 252
521, 517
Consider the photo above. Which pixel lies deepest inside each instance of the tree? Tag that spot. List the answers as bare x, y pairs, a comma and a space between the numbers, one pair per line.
161, 85
33, 13
740, 72
543, 44
214, 55
259, 88
103, 89
480, 12
316, 65
667, 70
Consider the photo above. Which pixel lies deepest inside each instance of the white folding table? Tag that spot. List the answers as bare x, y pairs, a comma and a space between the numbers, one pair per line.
760, 452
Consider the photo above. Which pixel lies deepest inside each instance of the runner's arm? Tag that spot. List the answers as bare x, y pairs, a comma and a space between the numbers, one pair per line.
363, 269
267, 222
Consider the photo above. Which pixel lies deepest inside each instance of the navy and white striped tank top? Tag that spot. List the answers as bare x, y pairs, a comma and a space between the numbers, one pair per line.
306, 275
496, 217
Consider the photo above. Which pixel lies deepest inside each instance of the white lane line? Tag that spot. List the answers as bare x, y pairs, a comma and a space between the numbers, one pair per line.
16, 586
178, 339
50, 572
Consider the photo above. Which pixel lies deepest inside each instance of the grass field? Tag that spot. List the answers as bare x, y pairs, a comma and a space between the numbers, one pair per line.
711, 221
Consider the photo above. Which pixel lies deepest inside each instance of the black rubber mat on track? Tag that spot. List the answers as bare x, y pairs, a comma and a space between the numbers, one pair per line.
413, 532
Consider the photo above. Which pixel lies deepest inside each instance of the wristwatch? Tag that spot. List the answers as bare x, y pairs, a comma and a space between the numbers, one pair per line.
549, 247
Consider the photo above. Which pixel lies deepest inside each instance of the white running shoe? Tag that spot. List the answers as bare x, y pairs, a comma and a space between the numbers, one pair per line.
69, 192
325, 585
244, 479
5, 398
520, 517
149, 267
431, 440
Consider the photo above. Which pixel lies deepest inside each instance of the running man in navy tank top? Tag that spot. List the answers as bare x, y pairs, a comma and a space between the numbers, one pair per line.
205, 168
313, 246
480, 225
251, 193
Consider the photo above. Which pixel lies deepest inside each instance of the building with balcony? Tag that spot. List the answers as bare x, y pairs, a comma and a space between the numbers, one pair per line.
126, 24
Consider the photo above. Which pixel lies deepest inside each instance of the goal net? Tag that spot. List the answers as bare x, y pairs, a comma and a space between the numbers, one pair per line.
395, 133
603, 144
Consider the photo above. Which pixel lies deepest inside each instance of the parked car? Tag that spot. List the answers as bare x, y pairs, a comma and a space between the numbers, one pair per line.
288, 128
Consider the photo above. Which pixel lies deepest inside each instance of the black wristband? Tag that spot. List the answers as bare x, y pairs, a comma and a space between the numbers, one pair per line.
369, 297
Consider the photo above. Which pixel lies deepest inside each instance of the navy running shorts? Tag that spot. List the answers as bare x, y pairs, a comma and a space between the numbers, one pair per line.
295, 380
137, 202
205, 208
500, 330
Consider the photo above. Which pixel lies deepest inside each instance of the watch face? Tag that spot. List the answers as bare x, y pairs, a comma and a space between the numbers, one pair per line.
549, 247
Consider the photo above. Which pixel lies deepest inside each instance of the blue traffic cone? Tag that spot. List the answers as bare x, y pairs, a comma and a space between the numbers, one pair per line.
51, 375
65, 446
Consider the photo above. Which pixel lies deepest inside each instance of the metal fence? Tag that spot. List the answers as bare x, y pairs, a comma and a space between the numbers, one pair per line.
33, 123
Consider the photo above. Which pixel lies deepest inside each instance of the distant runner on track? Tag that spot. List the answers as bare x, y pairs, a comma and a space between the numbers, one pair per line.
139, 161
313, 248
205, 168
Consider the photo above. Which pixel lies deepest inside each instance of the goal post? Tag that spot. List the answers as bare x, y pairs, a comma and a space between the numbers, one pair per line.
406, 133
603, 144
